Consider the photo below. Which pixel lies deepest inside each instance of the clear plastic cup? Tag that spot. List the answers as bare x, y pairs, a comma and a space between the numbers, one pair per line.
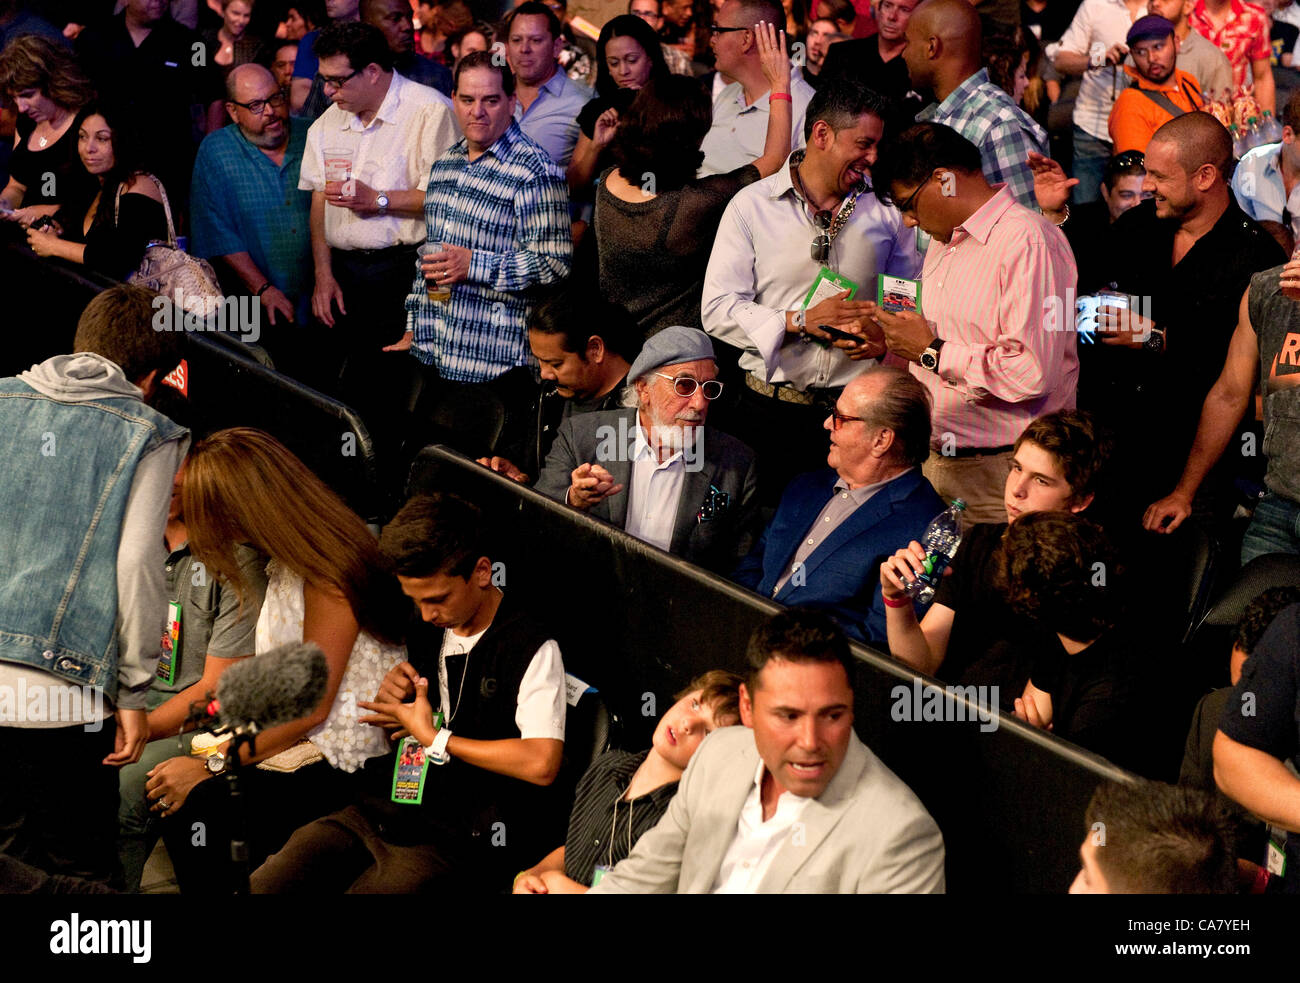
438, 293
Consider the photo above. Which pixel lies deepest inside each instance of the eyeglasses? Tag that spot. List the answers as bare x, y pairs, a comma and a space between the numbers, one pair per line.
715, 29
336, 81
821, 244
258, 106
838, 419
910, 204
685, 386
1130, 157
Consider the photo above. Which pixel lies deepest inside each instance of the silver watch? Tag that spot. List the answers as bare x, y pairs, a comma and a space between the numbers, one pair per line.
381, 200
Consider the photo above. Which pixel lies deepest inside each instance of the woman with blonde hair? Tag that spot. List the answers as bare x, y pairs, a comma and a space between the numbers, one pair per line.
327, 583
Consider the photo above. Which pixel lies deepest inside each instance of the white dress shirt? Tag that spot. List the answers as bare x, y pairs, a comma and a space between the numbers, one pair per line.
756, 842
411, 129
1098, 25
761, 267
540, 705
654, 493
739, 131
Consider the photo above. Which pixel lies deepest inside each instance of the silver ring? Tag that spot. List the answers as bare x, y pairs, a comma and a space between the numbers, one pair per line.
163, 803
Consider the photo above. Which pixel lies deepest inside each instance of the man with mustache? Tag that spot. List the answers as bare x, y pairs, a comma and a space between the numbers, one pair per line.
261, 234
652, 468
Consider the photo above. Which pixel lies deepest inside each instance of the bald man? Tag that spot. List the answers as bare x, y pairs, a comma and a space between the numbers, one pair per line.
1186, 256
247, 211
943, 55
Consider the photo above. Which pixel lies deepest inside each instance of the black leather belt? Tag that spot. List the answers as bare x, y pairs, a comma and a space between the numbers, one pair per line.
978, 451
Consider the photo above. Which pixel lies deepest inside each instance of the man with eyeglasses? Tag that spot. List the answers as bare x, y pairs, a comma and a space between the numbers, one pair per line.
247, 211
653, 469
365, 230
824, 545
981, 342
740, 110
775, 238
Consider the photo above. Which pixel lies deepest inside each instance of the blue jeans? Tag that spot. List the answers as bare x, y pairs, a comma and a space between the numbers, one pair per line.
1274, 529
1090, 157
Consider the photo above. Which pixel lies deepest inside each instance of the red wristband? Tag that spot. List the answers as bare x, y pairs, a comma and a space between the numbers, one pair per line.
902, 602
780, 95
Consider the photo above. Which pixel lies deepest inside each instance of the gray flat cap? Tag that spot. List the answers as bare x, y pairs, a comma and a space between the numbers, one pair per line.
671, 346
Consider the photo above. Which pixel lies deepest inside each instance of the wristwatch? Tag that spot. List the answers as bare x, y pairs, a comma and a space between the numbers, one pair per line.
381, 200
217, 763
1156, 341
930, 357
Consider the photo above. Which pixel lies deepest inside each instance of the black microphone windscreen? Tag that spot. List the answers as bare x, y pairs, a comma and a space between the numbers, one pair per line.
284, 684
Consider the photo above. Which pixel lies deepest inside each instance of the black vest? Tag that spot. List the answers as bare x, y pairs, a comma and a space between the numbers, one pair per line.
467, 808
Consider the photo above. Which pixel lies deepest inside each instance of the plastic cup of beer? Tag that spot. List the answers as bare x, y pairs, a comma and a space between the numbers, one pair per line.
338, 166
438, 293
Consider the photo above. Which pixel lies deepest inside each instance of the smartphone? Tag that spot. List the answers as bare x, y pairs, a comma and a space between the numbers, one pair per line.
839, 335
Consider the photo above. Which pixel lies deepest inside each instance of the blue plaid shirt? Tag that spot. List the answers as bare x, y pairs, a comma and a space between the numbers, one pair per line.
985, 115
511, 208
240, 201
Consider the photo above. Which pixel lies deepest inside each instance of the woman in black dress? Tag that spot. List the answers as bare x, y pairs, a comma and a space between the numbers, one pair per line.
109, 228
48, 87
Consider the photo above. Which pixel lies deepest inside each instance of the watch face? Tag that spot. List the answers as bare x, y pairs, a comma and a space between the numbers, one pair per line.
928, 361
216, 763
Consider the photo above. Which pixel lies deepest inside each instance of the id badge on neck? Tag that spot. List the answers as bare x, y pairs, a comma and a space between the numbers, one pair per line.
169, 654
409, 773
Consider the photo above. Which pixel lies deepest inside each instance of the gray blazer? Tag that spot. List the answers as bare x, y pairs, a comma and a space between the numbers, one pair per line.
866, 834
726, 465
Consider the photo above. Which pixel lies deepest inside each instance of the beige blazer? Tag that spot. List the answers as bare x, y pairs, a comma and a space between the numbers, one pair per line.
866, 834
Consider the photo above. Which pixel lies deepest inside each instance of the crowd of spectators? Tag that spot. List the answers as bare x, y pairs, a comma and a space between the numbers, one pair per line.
766, 287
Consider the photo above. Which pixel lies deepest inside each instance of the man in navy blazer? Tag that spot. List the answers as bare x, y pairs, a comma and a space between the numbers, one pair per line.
824, 546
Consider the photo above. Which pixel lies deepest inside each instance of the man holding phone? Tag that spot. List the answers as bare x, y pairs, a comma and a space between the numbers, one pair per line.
1185, 257
795, 258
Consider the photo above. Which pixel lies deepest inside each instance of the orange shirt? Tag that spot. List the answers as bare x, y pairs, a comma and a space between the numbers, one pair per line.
1135, 117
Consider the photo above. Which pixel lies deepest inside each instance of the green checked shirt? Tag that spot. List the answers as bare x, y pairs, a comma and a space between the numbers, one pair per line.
241, 202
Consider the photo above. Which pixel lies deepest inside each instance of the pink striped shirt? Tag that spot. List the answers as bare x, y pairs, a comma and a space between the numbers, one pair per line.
998, 295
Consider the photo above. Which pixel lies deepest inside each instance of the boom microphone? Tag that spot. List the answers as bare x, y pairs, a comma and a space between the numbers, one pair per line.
284, 684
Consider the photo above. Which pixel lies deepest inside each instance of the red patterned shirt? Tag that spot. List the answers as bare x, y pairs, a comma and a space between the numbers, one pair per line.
1243, 38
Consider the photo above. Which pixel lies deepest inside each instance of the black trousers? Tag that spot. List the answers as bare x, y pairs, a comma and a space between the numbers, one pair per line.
274, 804
58, 802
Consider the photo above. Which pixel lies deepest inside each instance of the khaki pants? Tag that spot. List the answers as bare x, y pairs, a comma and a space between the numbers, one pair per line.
979, 480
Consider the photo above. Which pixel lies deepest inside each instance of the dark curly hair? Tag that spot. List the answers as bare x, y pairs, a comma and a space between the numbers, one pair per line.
1261, 612
1060, 570
661, 132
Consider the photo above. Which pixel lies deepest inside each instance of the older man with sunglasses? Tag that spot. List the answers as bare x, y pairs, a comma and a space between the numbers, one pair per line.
652, 468
822, 546
802, 336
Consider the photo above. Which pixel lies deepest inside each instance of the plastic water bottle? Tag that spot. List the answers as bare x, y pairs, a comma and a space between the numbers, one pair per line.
1237, 152
940, 542
1250, 136
1270, 130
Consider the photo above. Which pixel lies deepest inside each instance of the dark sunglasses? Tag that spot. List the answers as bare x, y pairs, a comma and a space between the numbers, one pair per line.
821, 244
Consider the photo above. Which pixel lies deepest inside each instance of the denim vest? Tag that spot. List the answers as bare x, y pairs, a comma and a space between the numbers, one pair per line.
68, 470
